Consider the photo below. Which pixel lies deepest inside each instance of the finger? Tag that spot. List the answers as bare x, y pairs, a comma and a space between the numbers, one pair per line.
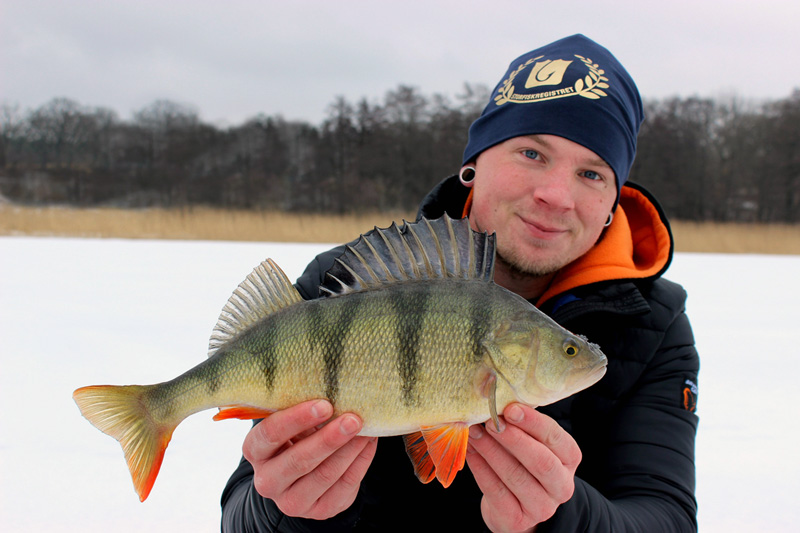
498, 452
500, 507
545, 430
527, 462
329, 470
285, 468
486, 478
346, 473
272, 433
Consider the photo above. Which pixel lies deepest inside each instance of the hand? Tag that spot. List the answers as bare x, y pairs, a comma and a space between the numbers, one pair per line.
307, 470
525, 471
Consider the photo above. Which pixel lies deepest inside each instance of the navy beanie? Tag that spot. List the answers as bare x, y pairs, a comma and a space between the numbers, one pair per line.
573, 88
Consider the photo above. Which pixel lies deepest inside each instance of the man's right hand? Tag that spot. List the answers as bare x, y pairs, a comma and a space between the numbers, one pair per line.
309, 470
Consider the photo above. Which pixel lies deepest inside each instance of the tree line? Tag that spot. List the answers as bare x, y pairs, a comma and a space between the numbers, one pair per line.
705, 159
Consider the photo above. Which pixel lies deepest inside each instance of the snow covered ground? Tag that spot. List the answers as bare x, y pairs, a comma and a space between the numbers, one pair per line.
76, 312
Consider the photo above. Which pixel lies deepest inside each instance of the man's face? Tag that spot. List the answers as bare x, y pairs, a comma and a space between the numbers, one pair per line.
546, 197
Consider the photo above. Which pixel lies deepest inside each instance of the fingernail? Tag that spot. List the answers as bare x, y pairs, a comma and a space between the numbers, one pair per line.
349, 425
321, 409
491, 427
475, 432
514, 413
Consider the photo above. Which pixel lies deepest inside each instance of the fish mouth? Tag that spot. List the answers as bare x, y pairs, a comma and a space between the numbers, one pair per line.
592, 377
571, 385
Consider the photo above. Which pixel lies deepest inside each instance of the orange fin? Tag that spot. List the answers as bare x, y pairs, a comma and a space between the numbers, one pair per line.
447, 447
417, 451
121, 413
242, 412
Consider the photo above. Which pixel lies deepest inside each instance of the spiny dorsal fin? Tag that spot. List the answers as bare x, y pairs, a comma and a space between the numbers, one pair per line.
265, 290
427, 249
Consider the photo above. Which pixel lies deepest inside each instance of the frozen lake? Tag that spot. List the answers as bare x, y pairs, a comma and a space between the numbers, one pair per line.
77, 312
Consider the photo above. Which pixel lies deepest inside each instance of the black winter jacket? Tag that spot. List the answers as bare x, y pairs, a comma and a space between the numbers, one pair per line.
636, 427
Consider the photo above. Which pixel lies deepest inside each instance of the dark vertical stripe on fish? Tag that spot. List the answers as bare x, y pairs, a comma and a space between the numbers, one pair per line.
311, 323
269, 360
409, 310
480, 316
212, 379
213, 373
257, 345
334, 344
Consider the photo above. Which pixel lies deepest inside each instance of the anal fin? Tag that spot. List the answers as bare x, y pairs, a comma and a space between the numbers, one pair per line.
242, 412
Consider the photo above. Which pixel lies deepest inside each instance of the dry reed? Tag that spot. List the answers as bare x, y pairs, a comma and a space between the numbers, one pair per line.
714, 237
190, 224
216, 224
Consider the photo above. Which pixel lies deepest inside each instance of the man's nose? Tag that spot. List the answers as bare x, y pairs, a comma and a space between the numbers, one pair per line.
555, 188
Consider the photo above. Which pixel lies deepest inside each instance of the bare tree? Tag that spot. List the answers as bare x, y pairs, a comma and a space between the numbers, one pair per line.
705, 159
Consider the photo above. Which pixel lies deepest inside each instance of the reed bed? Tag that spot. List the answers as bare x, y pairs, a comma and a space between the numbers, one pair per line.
715, 237
223, 225
190, 224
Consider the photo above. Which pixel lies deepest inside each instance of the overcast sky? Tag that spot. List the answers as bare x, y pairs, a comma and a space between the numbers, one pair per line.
234, 59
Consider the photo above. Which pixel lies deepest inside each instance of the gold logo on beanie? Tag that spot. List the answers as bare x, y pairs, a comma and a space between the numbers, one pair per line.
548, 72
551, 73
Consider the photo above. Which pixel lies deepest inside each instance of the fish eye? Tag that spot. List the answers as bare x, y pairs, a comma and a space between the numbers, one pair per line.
570, 349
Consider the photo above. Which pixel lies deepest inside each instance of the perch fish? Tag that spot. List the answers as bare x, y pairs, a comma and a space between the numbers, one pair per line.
410, 333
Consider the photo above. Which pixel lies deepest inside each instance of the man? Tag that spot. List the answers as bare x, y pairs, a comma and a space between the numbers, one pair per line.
545, 168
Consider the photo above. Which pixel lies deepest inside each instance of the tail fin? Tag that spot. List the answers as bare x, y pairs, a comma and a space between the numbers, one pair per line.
121, 413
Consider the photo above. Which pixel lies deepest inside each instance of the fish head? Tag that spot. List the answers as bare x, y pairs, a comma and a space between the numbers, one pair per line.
542, 361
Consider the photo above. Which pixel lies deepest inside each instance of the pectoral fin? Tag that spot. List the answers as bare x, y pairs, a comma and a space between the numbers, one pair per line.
486, 383
492, 384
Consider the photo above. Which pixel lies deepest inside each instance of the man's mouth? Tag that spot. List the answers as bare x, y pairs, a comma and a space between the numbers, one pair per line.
542, 230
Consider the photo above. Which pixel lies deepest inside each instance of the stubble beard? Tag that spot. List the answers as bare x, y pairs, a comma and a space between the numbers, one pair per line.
521, 268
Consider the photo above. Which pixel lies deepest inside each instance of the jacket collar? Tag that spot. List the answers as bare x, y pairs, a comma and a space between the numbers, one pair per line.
637, 245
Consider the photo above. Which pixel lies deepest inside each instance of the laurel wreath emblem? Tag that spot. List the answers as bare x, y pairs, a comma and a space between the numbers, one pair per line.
507, 90
591, 86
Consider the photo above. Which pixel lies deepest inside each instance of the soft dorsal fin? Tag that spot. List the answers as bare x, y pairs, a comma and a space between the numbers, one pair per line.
265, 290
427, 249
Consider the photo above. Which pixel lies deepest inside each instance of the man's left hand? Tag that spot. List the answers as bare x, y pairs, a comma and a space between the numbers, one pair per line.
525, 471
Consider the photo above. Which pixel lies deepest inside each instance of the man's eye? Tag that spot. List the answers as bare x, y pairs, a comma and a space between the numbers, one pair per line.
592, 175
532, 154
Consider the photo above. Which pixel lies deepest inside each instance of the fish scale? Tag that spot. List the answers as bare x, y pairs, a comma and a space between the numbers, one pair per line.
410, 333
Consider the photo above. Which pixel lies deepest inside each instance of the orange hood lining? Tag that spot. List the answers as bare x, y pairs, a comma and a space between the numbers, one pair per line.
636, 245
